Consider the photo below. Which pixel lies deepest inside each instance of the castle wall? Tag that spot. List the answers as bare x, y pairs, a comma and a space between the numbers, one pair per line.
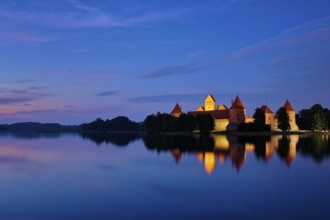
220, 124
210, 106
269, 118
237, 115
292, 121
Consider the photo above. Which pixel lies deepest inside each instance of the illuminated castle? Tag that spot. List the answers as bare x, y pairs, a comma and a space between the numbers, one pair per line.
229, 119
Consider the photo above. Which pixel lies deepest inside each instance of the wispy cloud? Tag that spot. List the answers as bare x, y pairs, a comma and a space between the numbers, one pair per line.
90, 73
17, 96
26, 37
15, 100
25, 81
312, 31
84, 16
108, 93
183, 69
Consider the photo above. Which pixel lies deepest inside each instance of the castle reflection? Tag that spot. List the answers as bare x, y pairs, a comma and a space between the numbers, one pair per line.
215, 150
236, 148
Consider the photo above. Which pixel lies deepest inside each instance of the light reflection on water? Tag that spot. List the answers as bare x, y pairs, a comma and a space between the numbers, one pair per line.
125, 176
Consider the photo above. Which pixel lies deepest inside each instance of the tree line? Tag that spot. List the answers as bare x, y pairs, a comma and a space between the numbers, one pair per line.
120, 123
163, 122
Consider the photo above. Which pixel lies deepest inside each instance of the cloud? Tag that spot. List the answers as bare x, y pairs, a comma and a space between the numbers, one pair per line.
79, 5
108, 93
183, 69
26, 37
24, 80
16, 96
15, 100
37, 87
83, 16
312, 31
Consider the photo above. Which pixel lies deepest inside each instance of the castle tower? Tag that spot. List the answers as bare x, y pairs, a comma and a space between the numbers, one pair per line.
292, 115
237, 114
269, 115
237, 111
177, 110
210, 104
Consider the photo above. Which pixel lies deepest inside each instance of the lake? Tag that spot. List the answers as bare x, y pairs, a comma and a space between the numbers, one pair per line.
125, 176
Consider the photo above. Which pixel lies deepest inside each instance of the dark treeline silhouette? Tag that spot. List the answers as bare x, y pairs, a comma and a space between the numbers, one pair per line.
120, 123
184, 123
283, 119
37, 127
118, 139
316, 118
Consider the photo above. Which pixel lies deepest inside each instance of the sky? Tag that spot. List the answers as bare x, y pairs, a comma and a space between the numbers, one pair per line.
72, 61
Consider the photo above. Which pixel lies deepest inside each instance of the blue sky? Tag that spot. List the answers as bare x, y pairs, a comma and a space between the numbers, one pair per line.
71, 61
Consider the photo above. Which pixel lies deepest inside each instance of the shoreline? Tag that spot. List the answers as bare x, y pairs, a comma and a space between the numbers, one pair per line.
239, 133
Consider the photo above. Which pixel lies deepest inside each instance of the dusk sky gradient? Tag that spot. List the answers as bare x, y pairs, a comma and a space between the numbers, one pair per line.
71, 61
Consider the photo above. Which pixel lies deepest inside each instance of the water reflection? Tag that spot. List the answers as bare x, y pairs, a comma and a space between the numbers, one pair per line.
218, 148
213, 150
118, 139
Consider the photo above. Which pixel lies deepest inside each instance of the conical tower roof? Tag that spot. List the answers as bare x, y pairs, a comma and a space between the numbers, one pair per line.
237, 104
266, 109
176, 109
288, 107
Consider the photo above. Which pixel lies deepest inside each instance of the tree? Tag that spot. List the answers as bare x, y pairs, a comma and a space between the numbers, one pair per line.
191, 123
150, 124
259, 119
283, 119
303, 120
318, 118
315, 118
327, 115
205, 123
186, 122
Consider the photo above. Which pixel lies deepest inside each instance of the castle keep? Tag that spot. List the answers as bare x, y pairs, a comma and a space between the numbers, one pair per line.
228, 119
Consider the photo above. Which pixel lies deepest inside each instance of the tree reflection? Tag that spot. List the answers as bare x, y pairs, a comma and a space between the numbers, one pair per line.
316, 147
118, 139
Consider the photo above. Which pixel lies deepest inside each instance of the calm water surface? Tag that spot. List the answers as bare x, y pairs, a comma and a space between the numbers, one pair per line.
73, 176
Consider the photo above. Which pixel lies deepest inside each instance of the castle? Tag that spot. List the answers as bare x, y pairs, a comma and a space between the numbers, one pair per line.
228, 119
